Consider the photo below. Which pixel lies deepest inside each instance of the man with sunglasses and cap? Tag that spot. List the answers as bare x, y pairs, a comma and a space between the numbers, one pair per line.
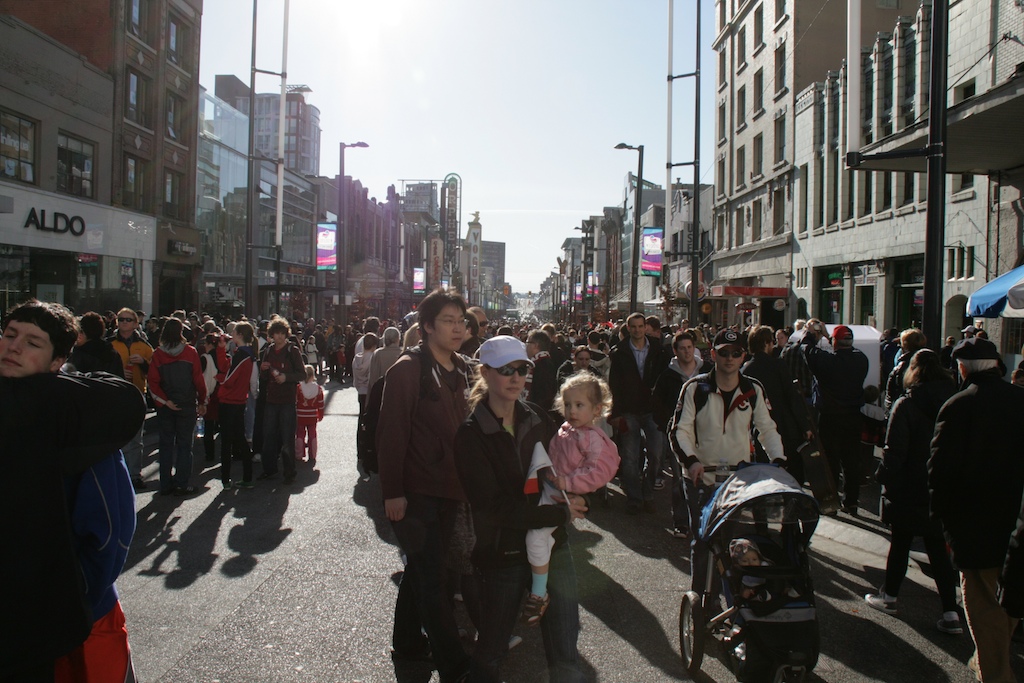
710, 431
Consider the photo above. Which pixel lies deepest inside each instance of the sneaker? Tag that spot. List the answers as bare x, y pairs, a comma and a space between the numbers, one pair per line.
227, 483
850, 510
659, 483
139, 484
950, 626
244, 484
878, 602
312, 463
185, 490
680, 532
513, 641
534, 609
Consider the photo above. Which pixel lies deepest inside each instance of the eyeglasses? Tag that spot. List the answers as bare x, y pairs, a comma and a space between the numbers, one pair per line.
454, 322
126, 320
509, 370
729, 354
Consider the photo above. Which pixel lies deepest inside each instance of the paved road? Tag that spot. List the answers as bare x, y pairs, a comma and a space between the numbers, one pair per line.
298, 584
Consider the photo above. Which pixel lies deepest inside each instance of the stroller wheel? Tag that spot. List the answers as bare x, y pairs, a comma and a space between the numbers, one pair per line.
692, 631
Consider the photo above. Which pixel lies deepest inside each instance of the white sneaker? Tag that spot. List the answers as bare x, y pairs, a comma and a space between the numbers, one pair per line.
513, 641
880, 603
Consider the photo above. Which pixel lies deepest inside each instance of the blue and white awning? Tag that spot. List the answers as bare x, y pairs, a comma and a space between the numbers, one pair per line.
1001, 298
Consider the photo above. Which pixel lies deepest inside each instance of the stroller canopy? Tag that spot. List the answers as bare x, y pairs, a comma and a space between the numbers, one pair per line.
760, 494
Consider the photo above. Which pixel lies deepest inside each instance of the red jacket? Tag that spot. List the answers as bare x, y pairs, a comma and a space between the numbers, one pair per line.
177, 377
239, 380
308, 411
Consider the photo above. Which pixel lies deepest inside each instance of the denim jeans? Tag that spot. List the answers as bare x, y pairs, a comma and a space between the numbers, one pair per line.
279, 437
177, 429
424, 604
501, 595
637, 482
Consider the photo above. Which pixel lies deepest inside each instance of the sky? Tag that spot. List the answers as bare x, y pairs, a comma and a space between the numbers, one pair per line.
524, 99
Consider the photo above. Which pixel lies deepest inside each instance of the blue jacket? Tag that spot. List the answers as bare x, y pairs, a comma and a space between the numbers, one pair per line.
102, 506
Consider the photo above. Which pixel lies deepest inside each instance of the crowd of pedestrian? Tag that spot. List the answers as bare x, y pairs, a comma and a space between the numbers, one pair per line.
491, 437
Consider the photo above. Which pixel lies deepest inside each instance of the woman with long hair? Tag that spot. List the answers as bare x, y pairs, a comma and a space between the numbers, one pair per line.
179, 392
494, 451
904, 478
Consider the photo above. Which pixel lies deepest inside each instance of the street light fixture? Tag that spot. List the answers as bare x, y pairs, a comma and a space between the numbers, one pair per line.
634, 269
341, 241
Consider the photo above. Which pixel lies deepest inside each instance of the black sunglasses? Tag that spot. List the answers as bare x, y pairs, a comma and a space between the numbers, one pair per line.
126, 320
730, 354
509, 370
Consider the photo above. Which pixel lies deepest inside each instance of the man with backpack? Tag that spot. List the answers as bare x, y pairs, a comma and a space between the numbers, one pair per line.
710, 432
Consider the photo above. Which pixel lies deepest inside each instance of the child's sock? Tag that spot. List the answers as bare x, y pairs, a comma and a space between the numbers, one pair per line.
540, 584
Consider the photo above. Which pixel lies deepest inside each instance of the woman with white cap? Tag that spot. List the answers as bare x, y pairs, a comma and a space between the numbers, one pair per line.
493, 453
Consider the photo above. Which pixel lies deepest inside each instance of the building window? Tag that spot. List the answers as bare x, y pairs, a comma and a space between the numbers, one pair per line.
137, 109
75, 159
866, 191
780, 139
778, 212
804, 196
759, 91
721, 122
780, 68
886, 193
721, 15
908, 189
758, 165
721, 67
780, 9
755, 221
739, 228
741, 166
138, 19
741, 107
833, 188
178, 34
741, 47
134, 184
819, 191
758, 27
848, 194
175, 112
963, 181
720, 177
17, 148
721, 232
173, 188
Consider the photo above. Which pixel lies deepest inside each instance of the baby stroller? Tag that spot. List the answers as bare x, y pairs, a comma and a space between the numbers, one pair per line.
769, 632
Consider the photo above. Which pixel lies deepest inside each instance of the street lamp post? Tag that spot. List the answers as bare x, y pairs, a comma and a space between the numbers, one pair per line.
341, 242
635, 259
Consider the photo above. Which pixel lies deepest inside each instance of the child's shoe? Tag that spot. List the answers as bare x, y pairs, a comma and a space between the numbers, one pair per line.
534, 609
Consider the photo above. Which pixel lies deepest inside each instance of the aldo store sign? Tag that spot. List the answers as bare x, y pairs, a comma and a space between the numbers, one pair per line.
58, 222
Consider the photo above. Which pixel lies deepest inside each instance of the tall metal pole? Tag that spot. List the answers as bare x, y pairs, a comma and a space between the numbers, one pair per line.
281, 121
934, 227
251, 305
695, 226
638, 198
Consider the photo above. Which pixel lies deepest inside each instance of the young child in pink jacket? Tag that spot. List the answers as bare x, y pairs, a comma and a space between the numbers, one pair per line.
583, 460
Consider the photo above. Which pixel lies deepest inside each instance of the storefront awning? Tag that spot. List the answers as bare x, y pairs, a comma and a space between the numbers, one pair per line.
979, 136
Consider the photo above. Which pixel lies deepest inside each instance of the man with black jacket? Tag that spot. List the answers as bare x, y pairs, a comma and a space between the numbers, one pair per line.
636, 364
976, 494
838, 395
281, 370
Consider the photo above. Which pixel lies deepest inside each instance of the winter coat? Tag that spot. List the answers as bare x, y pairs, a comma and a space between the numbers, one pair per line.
585, 457
134, 345
904, 469
176, 375
632, 390
976, 470
492, 466
288, 361
838, 378
787, 406
241, 379
419, 417
96, 355
1011, 592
